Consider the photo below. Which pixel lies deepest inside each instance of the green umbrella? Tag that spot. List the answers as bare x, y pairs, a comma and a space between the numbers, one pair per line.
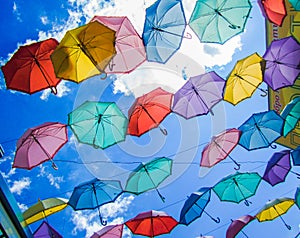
237, 187
148, 176
100, 124
291, 115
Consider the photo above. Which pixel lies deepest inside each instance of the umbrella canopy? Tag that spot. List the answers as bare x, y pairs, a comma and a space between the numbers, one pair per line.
216, 21
291, 115
295, 154
261, 130
237, 187
273, 10
295, 4
130, 49
84, 52
151, 223
111, 231
95, 193
194, 206
100, 124
282, 60
198, 95
148, 111
149, 176
220, 147
46, 231
30, 69
297, 197
244, 79
163, 29
39, 144
44, 208
237, 225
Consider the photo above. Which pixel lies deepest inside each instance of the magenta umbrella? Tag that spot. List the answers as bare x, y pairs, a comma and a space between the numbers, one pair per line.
237, 225
111, 231
129, 45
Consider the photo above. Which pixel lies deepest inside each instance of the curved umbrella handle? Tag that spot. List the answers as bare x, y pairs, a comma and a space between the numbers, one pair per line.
273, 146
264, 94
216, 220
103, 75
238, 166
247, 203
54, 166
53, 90
103, 223
188, 36
164, 131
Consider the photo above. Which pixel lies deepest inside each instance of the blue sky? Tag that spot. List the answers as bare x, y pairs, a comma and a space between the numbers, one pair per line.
29, 21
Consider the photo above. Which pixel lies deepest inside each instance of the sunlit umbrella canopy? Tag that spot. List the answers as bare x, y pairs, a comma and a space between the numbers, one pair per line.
291, 115
46, 231
237, 225
273, 10
111, 231
295, 4
295, 154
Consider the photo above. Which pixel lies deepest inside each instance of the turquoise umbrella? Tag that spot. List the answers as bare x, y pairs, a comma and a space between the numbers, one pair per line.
295, 4
291, 115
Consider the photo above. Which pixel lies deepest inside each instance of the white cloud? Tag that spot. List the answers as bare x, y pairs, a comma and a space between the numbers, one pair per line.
19, 185
44, 20
22, 207
62, 90
53, 180
16, 12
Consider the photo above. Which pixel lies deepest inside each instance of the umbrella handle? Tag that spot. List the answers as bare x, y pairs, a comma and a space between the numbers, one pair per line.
103, 223
54, 166
273, 146
264, 94
188, 36
164, 131
247, 203
216, 220
103, 75
54, 90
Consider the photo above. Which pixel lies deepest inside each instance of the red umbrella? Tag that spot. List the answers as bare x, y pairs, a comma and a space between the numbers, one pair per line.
30, 69
237, 225
111, 231
148, 111
151, 223
273, 10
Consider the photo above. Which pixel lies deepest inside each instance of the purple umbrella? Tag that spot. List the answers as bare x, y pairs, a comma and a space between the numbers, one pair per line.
237, 225
111, 231
282, 59
46, 231
198, 95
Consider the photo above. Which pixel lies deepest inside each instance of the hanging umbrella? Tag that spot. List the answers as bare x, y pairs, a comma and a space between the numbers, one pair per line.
237, 187
218, 21
111, 231
84, 52
297, 197
295, 4
149, 176
220, 147
295, 154
194, 206
163, 29
198, 95
39, 144
291, 115
151, 223
95, 193
275, 208
100, 124
43, 209
244, 79
148, 111
46, 231
261, 130
237, 225
130, 49
282, 60
273, 10
30, 69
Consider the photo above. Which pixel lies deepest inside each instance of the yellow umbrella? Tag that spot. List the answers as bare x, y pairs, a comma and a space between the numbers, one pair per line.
84, 52
244, 79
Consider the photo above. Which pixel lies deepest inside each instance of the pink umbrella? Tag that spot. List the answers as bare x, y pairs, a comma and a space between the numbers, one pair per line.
39, 144
237, 225
112, 231
129, 45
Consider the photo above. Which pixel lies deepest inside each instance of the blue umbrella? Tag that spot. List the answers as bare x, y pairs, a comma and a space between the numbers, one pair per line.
295, 154
261, 130
163, 29
194, 206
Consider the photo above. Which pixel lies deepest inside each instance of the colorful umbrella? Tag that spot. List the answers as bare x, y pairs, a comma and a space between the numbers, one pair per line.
100, 124
30, 69
291, 115
148, 111
194, 206
218, 21
95, 193
273, 10
151, 223
237, 187
111, 231
46, 231
237, 225
129, 45
297, 197
84, 52
163, 29
149, 176
44, 208
282, 60
244, 79
220, 147
261, 130
295, 4
295, 154
198, 95
39, 144
275, 208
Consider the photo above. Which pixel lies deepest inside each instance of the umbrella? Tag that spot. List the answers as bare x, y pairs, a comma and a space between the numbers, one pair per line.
194, 206
297, 197
237, 225
100, 124
220, 147
148, 111
129, 45
282, 60
244, 79
218, 21
295, 154
295, 4
46, 231
291, 115
149, 176
198, 95
111, 231
151, 223
273, 10
275, 208
30, 69
163, 29
44, 208
261, 130
84, 52
237, 187
95, 193
39, 144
